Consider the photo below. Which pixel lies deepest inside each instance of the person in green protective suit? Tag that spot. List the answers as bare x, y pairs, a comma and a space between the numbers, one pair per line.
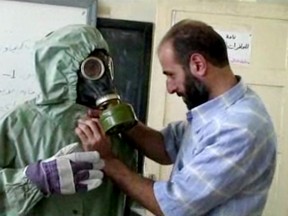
43, 126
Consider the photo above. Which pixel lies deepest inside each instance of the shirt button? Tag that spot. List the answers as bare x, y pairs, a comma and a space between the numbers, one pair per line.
75, 212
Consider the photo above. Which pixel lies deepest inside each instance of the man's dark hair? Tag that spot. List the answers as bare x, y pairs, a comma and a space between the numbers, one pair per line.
189, 36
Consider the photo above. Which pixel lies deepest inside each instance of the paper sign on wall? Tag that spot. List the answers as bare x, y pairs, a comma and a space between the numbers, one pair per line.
238, 46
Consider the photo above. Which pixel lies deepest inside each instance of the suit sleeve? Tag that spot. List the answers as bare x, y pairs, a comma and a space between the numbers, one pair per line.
17, 194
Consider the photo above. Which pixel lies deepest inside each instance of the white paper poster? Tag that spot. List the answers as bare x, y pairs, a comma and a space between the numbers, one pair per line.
238, 46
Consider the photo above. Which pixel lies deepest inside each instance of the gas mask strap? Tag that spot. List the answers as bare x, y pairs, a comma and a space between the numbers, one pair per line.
111, 67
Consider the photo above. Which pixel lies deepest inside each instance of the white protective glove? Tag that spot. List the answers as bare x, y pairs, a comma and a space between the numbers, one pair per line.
69, 171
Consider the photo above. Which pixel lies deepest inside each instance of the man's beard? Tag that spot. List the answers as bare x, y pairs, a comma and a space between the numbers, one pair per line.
195, 92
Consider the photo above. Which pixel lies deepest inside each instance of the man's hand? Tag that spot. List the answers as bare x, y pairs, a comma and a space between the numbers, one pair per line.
93, 137
93, 113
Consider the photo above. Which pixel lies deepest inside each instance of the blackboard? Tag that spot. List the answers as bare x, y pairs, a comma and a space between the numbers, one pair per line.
130, 44
130, 47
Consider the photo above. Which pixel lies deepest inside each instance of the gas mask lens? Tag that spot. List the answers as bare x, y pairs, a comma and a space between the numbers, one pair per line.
92, 68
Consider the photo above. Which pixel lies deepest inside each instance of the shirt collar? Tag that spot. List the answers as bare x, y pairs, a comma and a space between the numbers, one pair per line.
204, 113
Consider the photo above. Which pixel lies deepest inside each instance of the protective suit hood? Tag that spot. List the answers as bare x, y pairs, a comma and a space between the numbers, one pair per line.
58, 57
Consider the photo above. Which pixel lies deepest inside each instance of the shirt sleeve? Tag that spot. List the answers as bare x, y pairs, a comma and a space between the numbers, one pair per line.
173, 135
216, 173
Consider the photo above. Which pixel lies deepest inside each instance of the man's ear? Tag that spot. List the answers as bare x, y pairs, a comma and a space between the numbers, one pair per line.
198, 65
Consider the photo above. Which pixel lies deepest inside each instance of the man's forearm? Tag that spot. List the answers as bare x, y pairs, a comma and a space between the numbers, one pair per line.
135, 186
150, 142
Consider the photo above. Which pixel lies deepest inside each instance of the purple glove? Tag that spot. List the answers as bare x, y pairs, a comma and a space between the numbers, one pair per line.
67, 174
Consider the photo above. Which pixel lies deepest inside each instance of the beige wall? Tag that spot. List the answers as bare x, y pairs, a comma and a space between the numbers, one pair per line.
141, 10
137, 10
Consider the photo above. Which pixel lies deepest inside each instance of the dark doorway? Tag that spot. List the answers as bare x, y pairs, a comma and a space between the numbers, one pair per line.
130, 44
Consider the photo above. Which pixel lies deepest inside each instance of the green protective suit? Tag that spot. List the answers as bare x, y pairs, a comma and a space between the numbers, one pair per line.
40, 127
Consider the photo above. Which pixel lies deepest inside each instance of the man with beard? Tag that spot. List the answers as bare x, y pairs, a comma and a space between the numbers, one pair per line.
223, 155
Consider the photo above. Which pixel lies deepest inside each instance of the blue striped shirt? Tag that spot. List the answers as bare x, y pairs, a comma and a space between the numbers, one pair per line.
224, 158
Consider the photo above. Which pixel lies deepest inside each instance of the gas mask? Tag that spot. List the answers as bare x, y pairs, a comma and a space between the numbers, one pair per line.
95, 89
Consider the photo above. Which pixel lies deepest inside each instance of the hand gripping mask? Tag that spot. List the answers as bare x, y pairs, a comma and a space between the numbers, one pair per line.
95, 89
